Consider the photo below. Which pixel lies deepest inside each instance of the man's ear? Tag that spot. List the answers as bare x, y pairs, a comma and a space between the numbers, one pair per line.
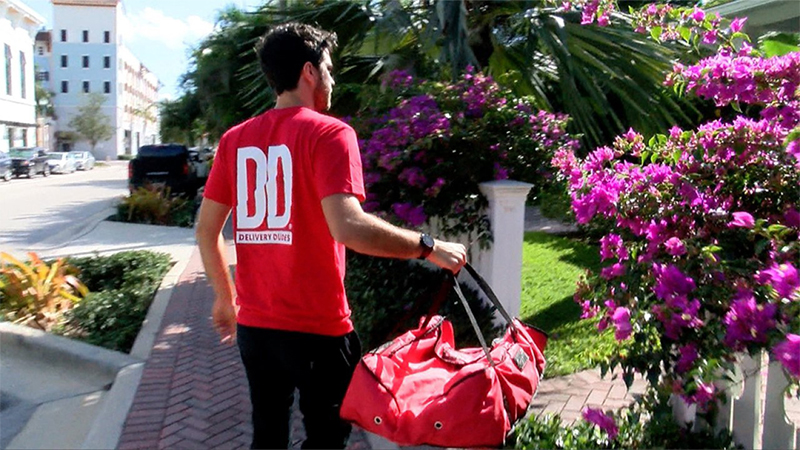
309, 73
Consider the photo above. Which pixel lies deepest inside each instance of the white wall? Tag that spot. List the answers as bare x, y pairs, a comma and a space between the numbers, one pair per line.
18, 25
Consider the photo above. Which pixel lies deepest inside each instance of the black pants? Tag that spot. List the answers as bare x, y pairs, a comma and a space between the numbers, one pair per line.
320, 367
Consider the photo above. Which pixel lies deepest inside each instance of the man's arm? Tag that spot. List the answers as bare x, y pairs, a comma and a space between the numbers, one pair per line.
210, 221
368, 234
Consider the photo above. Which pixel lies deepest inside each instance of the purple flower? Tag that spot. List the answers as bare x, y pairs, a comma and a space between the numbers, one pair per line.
675, 246
622, 322
742, 219
698, 14
588, 311
688, 357
792, 218
748, 321
671, 282
782, 277
788, 353
413, 215
613, 271
611, 245
703, 394
737, 24
603, 420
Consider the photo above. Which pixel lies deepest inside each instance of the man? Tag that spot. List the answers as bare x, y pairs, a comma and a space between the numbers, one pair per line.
293, 178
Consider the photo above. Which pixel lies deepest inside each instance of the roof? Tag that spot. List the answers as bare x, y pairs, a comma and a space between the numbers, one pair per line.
26, 11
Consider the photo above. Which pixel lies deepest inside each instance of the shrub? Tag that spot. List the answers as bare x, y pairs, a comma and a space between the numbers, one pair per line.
155, 205
125, 157
706, 244
37, 292
382, 291
648, 423
123, 286
427, 145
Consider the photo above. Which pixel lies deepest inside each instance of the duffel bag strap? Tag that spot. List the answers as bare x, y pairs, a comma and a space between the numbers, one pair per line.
488, 291
472, 320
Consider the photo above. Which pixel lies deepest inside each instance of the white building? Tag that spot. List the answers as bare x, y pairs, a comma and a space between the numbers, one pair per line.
18, 26
88, 56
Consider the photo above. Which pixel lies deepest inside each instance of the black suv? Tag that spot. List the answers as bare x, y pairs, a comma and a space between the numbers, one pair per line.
169, 165
29, 161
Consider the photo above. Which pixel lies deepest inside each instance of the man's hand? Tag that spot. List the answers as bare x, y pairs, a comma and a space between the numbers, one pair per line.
223, 314
448, 255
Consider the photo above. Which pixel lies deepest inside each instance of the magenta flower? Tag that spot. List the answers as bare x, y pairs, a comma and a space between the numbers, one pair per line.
698, 14
737, 24
782, 277
675, 246
622, 322
671, 282
601, 419
613, 271
612, 246
742, 219
788, 353
747, 321
688, 357
792, 218
703, 394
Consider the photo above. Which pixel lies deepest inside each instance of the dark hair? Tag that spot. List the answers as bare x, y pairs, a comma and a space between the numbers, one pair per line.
286, 48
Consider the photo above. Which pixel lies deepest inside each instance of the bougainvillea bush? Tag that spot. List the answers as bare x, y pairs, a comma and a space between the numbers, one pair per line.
702, 259
426, 146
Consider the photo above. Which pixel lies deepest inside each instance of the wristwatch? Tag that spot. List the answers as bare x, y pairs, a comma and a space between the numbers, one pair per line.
427, 243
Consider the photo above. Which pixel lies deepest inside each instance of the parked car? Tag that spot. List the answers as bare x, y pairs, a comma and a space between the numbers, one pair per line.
29, 161
61, 162
6, 172
83, 160
169, 165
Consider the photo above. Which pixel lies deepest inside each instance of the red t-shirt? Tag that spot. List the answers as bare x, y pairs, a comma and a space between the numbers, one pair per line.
274, 170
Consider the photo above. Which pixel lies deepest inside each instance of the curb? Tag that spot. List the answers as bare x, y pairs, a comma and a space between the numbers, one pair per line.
107, 427
125, 369
70, 234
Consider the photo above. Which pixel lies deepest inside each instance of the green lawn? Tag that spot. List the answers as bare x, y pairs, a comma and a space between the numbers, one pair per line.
551, 265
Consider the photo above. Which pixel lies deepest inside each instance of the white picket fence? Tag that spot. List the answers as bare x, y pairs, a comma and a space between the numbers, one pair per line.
756, 410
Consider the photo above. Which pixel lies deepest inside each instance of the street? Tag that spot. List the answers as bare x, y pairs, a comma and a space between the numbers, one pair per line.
42, 213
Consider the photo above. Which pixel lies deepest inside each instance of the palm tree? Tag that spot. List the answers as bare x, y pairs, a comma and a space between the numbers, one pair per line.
605, 78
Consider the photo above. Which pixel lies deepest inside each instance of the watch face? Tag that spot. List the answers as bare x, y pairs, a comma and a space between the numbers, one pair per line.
427, 241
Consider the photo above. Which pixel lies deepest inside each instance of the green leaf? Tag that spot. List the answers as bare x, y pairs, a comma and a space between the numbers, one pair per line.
655, 33
776, 48
777, 230
736, 107
685, 33
676, 155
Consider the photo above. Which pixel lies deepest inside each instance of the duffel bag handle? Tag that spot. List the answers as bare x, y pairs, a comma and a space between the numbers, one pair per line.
492, 297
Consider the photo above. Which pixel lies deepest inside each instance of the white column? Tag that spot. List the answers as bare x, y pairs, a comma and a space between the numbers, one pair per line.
501, 264
747, 409
779, 431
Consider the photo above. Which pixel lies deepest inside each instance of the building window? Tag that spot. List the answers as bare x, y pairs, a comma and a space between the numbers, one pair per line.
8, 69
63, 35
43, 76
106, 36
40, 50
65, 87
106, 62
64, 61
23, 81
85, 35
85, 61
85, 87
107, 87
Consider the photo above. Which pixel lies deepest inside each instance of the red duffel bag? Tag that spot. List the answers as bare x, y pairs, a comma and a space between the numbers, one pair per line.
419, 389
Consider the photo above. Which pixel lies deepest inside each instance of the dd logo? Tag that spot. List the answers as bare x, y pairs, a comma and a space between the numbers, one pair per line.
265, 192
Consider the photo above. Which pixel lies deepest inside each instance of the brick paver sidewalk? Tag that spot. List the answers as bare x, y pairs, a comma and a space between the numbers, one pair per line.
193, 393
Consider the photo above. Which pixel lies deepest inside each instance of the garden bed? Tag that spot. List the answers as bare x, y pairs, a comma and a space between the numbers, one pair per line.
108, 313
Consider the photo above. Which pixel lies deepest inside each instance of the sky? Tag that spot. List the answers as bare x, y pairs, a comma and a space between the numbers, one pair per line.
161, 33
